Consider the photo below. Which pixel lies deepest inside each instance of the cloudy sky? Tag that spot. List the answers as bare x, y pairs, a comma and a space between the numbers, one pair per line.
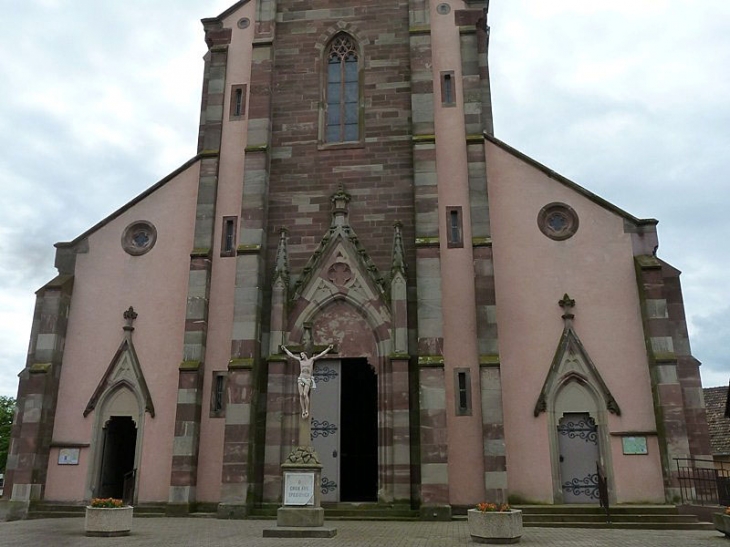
629, 98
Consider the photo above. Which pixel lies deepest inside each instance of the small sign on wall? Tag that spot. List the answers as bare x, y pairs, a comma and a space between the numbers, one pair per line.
68, 456
298, 488
635, 445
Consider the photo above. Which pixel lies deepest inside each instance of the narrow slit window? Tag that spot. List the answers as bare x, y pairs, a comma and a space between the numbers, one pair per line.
448, 96
454, 227
217, 397
228, 245
238, 102
463, 392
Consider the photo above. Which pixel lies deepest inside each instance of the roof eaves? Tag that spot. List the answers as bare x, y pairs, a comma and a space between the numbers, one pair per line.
570, 184
227, 12
128, 205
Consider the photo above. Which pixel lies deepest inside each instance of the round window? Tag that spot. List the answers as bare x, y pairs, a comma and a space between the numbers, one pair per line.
139, 237
558, 221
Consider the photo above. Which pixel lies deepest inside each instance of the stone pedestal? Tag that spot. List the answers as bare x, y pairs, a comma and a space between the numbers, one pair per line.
301, 516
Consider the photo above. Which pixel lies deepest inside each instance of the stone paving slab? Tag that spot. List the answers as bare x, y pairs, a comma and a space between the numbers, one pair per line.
196, 532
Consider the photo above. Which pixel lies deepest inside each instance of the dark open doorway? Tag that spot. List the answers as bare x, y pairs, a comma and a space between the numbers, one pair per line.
359, 442
117, 456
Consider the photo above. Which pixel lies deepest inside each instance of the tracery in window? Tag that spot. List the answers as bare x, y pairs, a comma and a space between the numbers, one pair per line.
342, 94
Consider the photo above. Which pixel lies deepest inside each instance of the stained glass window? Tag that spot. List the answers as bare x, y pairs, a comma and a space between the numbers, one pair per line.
342, 121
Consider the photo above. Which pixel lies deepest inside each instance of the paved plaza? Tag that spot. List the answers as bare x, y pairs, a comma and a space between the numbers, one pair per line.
189, 532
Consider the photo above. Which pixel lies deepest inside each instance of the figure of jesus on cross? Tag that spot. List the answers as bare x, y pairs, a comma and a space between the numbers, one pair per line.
305, 381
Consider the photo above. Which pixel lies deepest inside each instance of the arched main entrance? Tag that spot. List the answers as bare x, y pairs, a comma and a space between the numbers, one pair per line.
345, 429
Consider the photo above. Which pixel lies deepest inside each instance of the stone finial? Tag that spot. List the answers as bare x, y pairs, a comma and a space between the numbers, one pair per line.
567, 304
129, 316
399, 257
339, 200
282, 258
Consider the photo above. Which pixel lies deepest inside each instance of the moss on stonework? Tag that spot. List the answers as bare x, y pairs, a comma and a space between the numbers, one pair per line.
481, 241
257, 148
240, 363
40, 368
420, 29
190, 365
430, 360
245, 249
648, 261
399, 356
427, 241
423, 138
200, 252
489, 360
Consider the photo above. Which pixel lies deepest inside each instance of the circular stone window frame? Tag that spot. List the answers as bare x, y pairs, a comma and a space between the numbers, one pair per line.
443, 9
128, 237
568, 214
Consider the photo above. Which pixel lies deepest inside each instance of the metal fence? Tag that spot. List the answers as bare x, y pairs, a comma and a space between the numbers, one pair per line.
704, 482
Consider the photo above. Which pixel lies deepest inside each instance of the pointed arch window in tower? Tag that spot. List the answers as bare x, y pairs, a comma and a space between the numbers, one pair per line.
342, 94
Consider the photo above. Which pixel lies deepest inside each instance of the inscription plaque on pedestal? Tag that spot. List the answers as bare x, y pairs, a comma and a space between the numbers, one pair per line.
298, 488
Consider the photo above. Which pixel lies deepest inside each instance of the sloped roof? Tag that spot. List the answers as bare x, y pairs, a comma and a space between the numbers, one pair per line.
570, 184
715, 402
132, 203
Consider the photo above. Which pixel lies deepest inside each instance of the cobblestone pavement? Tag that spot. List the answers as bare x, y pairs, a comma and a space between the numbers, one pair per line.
189, 532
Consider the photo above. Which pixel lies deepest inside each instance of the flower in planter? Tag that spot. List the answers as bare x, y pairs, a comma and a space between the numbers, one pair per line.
727, 511
488, 507
106, 503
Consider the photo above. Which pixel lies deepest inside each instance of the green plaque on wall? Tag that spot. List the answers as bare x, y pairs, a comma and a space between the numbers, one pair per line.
635, 445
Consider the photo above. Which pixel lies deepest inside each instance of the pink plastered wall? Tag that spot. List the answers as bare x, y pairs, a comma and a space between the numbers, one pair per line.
532, 272
223, 278
107, 282
465, 442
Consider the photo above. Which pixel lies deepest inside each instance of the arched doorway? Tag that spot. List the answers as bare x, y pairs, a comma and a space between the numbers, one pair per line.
345, 429
579, 441
579, 457
119, 445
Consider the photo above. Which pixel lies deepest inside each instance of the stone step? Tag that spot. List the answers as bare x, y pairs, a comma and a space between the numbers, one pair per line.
151, 510
644, 517
201, 515
566, 517
44, 510
595, 509
648, 525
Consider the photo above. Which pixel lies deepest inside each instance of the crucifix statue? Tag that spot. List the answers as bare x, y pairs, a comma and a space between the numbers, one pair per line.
305, 381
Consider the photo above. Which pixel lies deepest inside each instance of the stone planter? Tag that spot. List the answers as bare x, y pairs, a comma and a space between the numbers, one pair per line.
495, 527
108, 522
722, 523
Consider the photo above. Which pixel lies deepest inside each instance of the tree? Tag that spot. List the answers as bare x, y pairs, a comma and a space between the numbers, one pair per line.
7, 409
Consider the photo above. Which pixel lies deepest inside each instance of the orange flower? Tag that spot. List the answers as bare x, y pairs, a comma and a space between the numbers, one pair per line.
488, 507
107, 503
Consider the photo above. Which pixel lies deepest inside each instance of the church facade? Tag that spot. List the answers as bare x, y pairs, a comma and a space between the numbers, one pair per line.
499, 332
